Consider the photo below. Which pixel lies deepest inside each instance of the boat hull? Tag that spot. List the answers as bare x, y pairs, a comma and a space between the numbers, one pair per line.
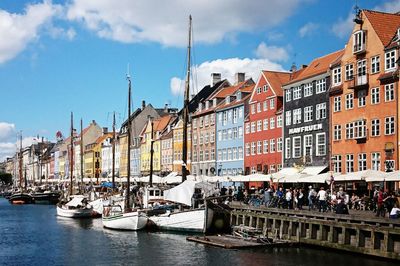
74, 213
125, 221
46, 198
21, 198
185, 221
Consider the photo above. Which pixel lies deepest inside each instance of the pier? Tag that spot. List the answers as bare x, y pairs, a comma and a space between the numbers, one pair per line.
354, 233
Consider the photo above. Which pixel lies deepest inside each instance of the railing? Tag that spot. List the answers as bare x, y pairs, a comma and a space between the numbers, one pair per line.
358, 81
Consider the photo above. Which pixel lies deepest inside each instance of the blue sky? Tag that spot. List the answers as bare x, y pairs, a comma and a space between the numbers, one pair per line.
63, 56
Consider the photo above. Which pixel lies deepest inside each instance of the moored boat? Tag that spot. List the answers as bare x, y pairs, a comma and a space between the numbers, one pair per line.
115, 218
46, 197
76, 208
21, 198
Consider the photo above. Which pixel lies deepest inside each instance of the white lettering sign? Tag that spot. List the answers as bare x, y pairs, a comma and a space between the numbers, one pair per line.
305, 129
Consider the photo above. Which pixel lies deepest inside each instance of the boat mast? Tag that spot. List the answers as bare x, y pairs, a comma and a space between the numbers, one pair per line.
81, 153
185, 106
128, 77
113, 153
20, 162
71, 169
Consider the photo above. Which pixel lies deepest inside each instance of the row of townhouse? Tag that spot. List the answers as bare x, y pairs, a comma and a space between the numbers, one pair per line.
340, 112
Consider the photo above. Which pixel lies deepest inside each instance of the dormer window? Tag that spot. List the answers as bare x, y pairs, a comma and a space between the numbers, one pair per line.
359, 41
227, 99
238, 96
214, 102
259, 90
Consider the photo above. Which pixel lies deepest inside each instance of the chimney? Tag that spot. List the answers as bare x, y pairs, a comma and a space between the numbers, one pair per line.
166, 108
303, 66
293, 68
105, 130
215, 78
93, 122
239, 77
143, 104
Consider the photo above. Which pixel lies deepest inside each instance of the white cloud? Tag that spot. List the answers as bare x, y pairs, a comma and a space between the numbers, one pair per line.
58, 32
7, 131
7, 149
389, 6
227, 68
343, 27
17, 30
308, 29
166, 22
272, 53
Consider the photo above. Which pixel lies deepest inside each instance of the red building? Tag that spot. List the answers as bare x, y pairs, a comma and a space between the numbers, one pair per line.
263, 126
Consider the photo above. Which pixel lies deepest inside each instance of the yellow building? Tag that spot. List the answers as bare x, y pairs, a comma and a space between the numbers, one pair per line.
178, 147
92, 157
123, 159
159, 126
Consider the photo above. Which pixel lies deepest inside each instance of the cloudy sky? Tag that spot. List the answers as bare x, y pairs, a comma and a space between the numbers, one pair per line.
62, 56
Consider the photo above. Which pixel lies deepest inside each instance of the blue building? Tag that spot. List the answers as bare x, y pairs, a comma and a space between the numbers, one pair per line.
231, 114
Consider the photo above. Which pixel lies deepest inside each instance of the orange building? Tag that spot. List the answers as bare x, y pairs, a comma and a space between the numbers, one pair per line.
364, 97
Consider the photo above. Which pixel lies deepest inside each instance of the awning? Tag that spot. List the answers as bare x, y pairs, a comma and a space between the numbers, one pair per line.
314, 170
362, 175
321, 178
393, 176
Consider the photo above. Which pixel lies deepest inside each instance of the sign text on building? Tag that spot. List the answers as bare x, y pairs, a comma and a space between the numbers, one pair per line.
305, 129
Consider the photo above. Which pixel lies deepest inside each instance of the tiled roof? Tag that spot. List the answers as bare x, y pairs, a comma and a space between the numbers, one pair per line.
384, 24
277, 79
102, 138
228, 90
233, 103
318, 66
162, 122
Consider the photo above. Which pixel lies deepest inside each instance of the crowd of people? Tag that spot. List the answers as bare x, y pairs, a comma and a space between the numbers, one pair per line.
381, 203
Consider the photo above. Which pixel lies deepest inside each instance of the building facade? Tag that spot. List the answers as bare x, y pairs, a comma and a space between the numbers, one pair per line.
178, 147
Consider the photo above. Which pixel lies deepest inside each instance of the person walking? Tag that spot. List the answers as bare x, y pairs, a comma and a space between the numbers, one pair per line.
321, 196
380, 210
311, 198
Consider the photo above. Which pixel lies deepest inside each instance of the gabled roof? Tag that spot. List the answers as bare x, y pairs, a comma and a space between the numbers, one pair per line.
318, 66
229, 90
384, 24
161, 123
223, 106
277, 79
103, 137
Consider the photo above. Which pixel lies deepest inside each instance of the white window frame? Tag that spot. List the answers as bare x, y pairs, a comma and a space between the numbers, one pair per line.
320, 86
375, 64
288, 118
375, 127
319, 144
297, 93
288, 150
308, 113
390, 124
320, 112
308, 89
362, 161
337, 104
336, 76
288, 95
375, 95
390, 60
297, 116
349, 101
296, 147
337, 132
389, 92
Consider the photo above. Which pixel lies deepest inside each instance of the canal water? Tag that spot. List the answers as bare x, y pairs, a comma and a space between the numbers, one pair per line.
34, 235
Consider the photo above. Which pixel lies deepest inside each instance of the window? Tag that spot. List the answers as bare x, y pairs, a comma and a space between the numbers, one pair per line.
308, 114
337, 76
349, 131
349, 101
253, 127
259, 147
321, 144
265, 126
247, 149
206, 120
229, 154
212, 137
320, 86
272, 145
279, 144
279, 121
235, 115
349, 72
288, 94
337, 163
265, 88
272, 123
265, 148
376, 161
390, 60
240, 112
337, 135
375, 64
212, 119
201, 156
375, 99
361, 98
259, 125
349, 163
234, 154
240, 130
224, 157
235, 133
375, 127
195, 137
337, 103
320, 111
389, 125
220, 118
253, 109
297, 116
296, 93
308, 146
362, 161
288, 118
253, 148
229, 134
258, 107
240, 152
389, 92
201, 121
361, 72
271, 103
212, 154
206, 138
225, 118
358, 41
195, 156
194, 123
259, 90
287, 148
265, 105
296, 147
247, 128
360, 128
308, 90
272, 168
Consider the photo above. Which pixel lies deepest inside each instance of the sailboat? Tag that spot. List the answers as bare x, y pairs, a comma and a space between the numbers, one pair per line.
78, 206
21, 197
193, 219
120, 217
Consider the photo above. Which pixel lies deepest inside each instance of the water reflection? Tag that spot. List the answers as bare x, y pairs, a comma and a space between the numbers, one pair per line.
84, 223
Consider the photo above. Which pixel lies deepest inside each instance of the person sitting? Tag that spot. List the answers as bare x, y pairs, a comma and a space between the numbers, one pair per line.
394, 213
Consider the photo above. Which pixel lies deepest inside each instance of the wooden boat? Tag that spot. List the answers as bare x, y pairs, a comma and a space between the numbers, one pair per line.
21, 198
46, 197
115, 218
75, 208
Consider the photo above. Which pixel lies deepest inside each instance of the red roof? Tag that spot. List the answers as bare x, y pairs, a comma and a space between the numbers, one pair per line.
384, 24
318, 66
277, 79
